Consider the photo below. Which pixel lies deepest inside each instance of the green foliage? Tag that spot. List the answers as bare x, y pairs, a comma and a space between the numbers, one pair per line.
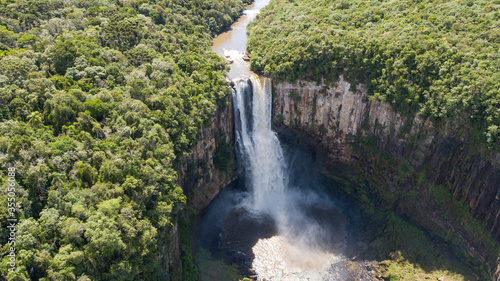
438, 59
97, 101
223, 155
64, 53
190, 271
413, 255
213, 269
96, 108
7, 38
61, 110
407, 238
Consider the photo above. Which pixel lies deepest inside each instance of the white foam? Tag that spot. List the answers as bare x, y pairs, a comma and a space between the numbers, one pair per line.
277, 258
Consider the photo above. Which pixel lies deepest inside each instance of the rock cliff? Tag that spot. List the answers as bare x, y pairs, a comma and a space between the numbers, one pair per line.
202, 175
437, 173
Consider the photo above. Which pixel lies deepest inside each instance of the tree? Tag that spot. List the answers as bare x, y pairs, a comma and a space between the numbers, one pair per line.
62, 109
7, 38
63, 55
76, 85
35, 119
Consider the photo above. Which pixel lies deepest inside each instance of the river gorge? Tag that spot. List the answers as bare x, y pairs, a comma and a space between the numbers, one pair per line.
319, 175
207, 140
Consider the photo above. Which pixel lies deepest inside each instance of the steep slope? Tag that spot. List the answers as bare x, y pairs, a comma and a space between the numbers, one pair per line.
436, 58
437, 174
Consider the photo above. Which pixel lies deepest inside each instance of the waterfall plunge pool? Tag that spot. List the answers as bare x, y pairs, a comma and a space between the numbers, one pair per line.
322, 238
283, 220
232, 242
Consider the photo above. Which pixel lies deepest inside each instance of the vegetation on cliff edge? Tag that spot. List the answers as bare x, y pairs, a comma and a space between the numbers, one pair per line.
98, 100
439, 58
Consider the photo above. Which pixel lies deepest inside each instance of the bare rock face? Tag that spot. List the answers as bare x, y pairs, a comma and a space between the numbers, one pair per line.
331, 116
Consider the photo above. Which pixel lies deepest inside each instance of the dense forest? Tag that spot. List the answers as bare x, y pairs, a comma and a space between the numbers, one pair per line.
438, 58
98, 101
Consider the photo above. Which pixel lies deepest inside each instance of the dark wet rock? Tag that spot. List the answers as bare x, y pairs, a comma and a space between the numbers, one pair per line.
241, 231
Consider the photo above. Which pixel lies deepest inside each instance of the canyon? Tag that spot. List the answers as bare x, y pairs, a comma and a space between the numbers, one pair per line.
333, 121
434, 172
445, 154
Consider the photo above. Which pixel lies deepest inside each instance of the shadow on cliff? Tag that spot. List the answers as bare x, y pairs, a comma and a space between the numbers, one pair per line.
384, 238
376, 245
228, 232
397, 248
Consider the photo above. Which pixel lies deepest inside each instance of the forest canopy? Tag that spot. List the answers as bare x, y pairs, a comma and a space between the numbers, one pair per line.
436, 58
99, 99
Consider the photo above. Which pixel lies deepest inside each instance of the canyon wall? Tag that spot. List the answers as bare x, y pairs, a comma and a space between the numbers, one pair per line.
436, 173
202, 175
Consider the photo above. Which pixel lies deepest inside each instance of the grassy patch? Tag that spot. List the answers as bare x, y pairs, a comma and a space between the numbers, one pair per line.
212, 269
413, 255
405, 270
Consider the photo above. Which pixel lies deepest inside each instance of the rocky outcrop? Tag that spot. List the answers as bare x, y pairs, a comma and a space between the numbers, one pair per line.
446, 154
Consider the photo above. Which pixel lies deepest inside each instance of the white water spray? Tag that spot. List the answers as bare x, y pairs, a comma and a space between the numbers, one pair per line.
258, 146
298, 227
298, 252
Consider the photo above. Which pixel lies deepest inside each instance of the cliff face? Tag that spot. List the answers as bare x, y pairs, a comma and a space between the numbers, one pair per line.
199, 175
202, 177
173, 254
434, 167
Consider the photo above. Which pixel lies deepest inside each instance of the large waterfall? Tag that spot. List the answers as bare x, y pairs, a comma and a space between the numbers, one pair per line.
282, 219
276, 221
302, 250
258, 147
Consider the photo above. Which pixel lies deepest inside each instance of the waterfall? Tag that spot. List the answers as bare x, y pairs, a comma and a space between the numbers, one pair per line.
258, 147
301, 250
279, 222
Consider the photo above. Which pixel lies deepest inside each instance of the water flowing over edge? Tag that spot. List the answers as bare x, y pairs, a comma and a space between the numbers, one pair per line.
295, 254
259, 149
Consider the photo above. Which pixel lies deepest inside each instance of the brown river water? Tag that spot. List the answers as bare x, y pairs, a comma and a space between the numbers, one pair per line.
232, 43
